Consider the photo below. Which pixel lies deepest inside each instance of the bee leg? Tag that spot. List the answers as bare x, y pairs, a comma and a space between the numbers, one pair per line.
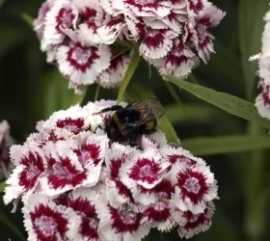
135, 141
139, 142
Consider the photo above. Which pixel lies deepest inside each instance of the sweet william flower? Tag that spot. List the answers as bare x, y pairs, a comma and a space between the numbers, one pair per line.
77, 184
91, 40
44, 220
86, 204
5, 142
67, 30
191, 224
262, 101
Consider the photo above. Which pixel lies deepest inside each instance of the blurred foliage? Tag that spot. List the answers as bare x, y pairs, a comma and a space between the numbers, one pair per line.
31, 90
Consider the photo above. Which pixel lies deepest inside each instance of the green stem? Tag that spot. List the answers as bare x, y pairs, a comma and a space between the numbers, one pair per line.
149, 70
172, 92
97, 92
254, 220
28, 19
78, 99
120, 53
128, 75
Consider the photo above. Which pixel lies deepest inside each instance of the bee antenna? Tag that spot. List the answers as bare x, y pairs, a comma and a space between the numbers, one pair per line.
113, 108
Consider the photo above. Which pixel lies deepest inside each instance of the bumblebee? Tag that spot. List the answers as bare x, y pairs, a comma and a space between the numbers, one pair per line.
129, 123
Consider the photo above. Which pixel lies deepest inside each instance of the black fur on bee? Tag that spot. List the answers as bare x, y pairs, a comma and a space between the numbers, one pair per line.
129, 123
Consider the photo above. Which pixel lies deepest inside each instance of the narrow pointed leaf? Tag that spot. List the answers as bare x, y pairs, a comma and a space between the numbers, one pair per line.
226, 144
232, 104
190, 113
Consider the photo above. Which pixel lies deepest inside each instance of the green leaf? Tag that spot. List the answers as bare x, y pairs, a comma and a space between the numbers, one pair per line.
172, 91
4, 219
137, 92
232, 104
226, 144
227, 62
189, 112
10, 37
56, 94
128, 75
2, 186
251, 24
167, 127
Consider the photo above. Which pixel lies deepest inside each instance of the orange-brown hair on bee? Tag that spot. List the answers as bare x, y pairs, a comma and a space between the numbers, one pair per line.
136, 119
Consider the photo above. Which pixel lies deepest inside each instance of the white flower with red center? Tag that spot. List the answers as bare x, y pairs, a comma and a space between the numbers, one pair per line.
30, 164
263, 99
194, 186
73, 120
110, 190
92, 17
191, 224
84, 203
123, 224
5, 142
91, 151
62, 15
264, 57
44, 220
210, 17
117, 192
143, 168
159, 211
177, 155
178, 62
67, 169
84, 37
111, 30
39, 22
82, 64
157, 43
114, 74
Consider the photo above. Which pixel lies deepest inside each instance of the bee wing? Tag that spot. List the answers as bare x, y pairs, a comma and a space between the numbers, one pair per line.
150, 109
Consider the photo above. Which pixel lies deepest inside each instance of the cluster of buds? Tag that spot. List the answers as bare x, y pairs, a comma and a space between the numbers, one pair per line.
93, 40
76, 184
5, 143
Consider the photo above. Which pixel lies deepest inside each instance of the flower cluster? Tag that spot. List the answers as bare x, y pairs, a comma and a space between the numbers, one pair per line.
5, 143
76, 184
93, 40
263, 100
